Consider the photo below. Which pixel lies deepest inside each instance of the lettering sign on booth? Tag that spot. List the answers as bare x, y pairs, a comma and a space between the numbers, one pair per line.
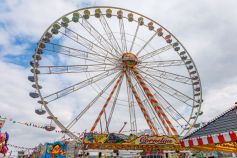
155, 140
94, 138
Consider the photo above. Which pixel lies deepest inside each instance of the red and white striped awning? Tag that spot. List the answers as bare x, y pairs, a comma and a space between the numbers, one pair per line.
211, 139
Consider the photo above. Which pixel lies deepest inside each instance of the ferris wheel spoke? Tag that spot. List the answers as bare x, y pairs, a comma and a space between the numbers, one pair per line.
114, 103
139, 102
144, 46
77, 86
123, 35
160, 63
155, 52
75, 120
110, 35
156, 73
172, 112
77, 53
73, 55
169, 106
164, 119
73, 68
168, 90
134, 38
97, 36
106, 103
83, 41
151, 109
132, 112
155, 118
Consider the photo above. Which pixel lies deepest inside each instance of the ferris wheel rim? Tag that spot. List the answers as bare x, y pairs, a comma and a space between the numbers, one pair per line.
36, 76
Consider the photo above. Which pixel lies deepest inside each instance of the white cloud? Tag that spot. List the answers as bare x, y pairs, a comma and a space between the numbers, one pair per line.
218, 100
15, 103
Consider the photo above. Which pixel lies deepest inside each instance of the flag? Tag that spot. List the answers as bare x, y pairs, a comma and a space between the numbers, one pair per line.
2, 123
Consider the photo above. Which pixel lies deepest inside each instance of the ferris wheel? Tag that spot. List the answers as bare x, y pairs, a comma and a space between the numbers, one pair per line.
98, 68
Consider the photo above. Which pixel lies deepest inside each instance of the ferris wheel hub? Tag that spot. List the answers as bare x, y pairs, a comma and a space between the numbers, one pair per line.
129, 59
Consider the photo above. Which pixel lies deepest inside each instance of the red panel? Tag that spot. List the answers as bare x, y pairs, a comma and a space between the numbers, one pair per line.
182, 143
221, 138
190, 142
233, 136
200, 142
210, 140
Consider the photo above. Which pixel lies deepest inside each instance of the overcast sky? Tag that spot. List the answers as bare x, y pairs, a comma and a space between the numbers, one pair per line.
206, 28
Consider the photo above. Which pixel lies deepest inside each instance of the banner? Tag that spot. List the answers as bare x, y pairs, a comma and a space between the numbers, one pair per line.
2, 121
3, 142
95, 138
105, 138
56, 150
